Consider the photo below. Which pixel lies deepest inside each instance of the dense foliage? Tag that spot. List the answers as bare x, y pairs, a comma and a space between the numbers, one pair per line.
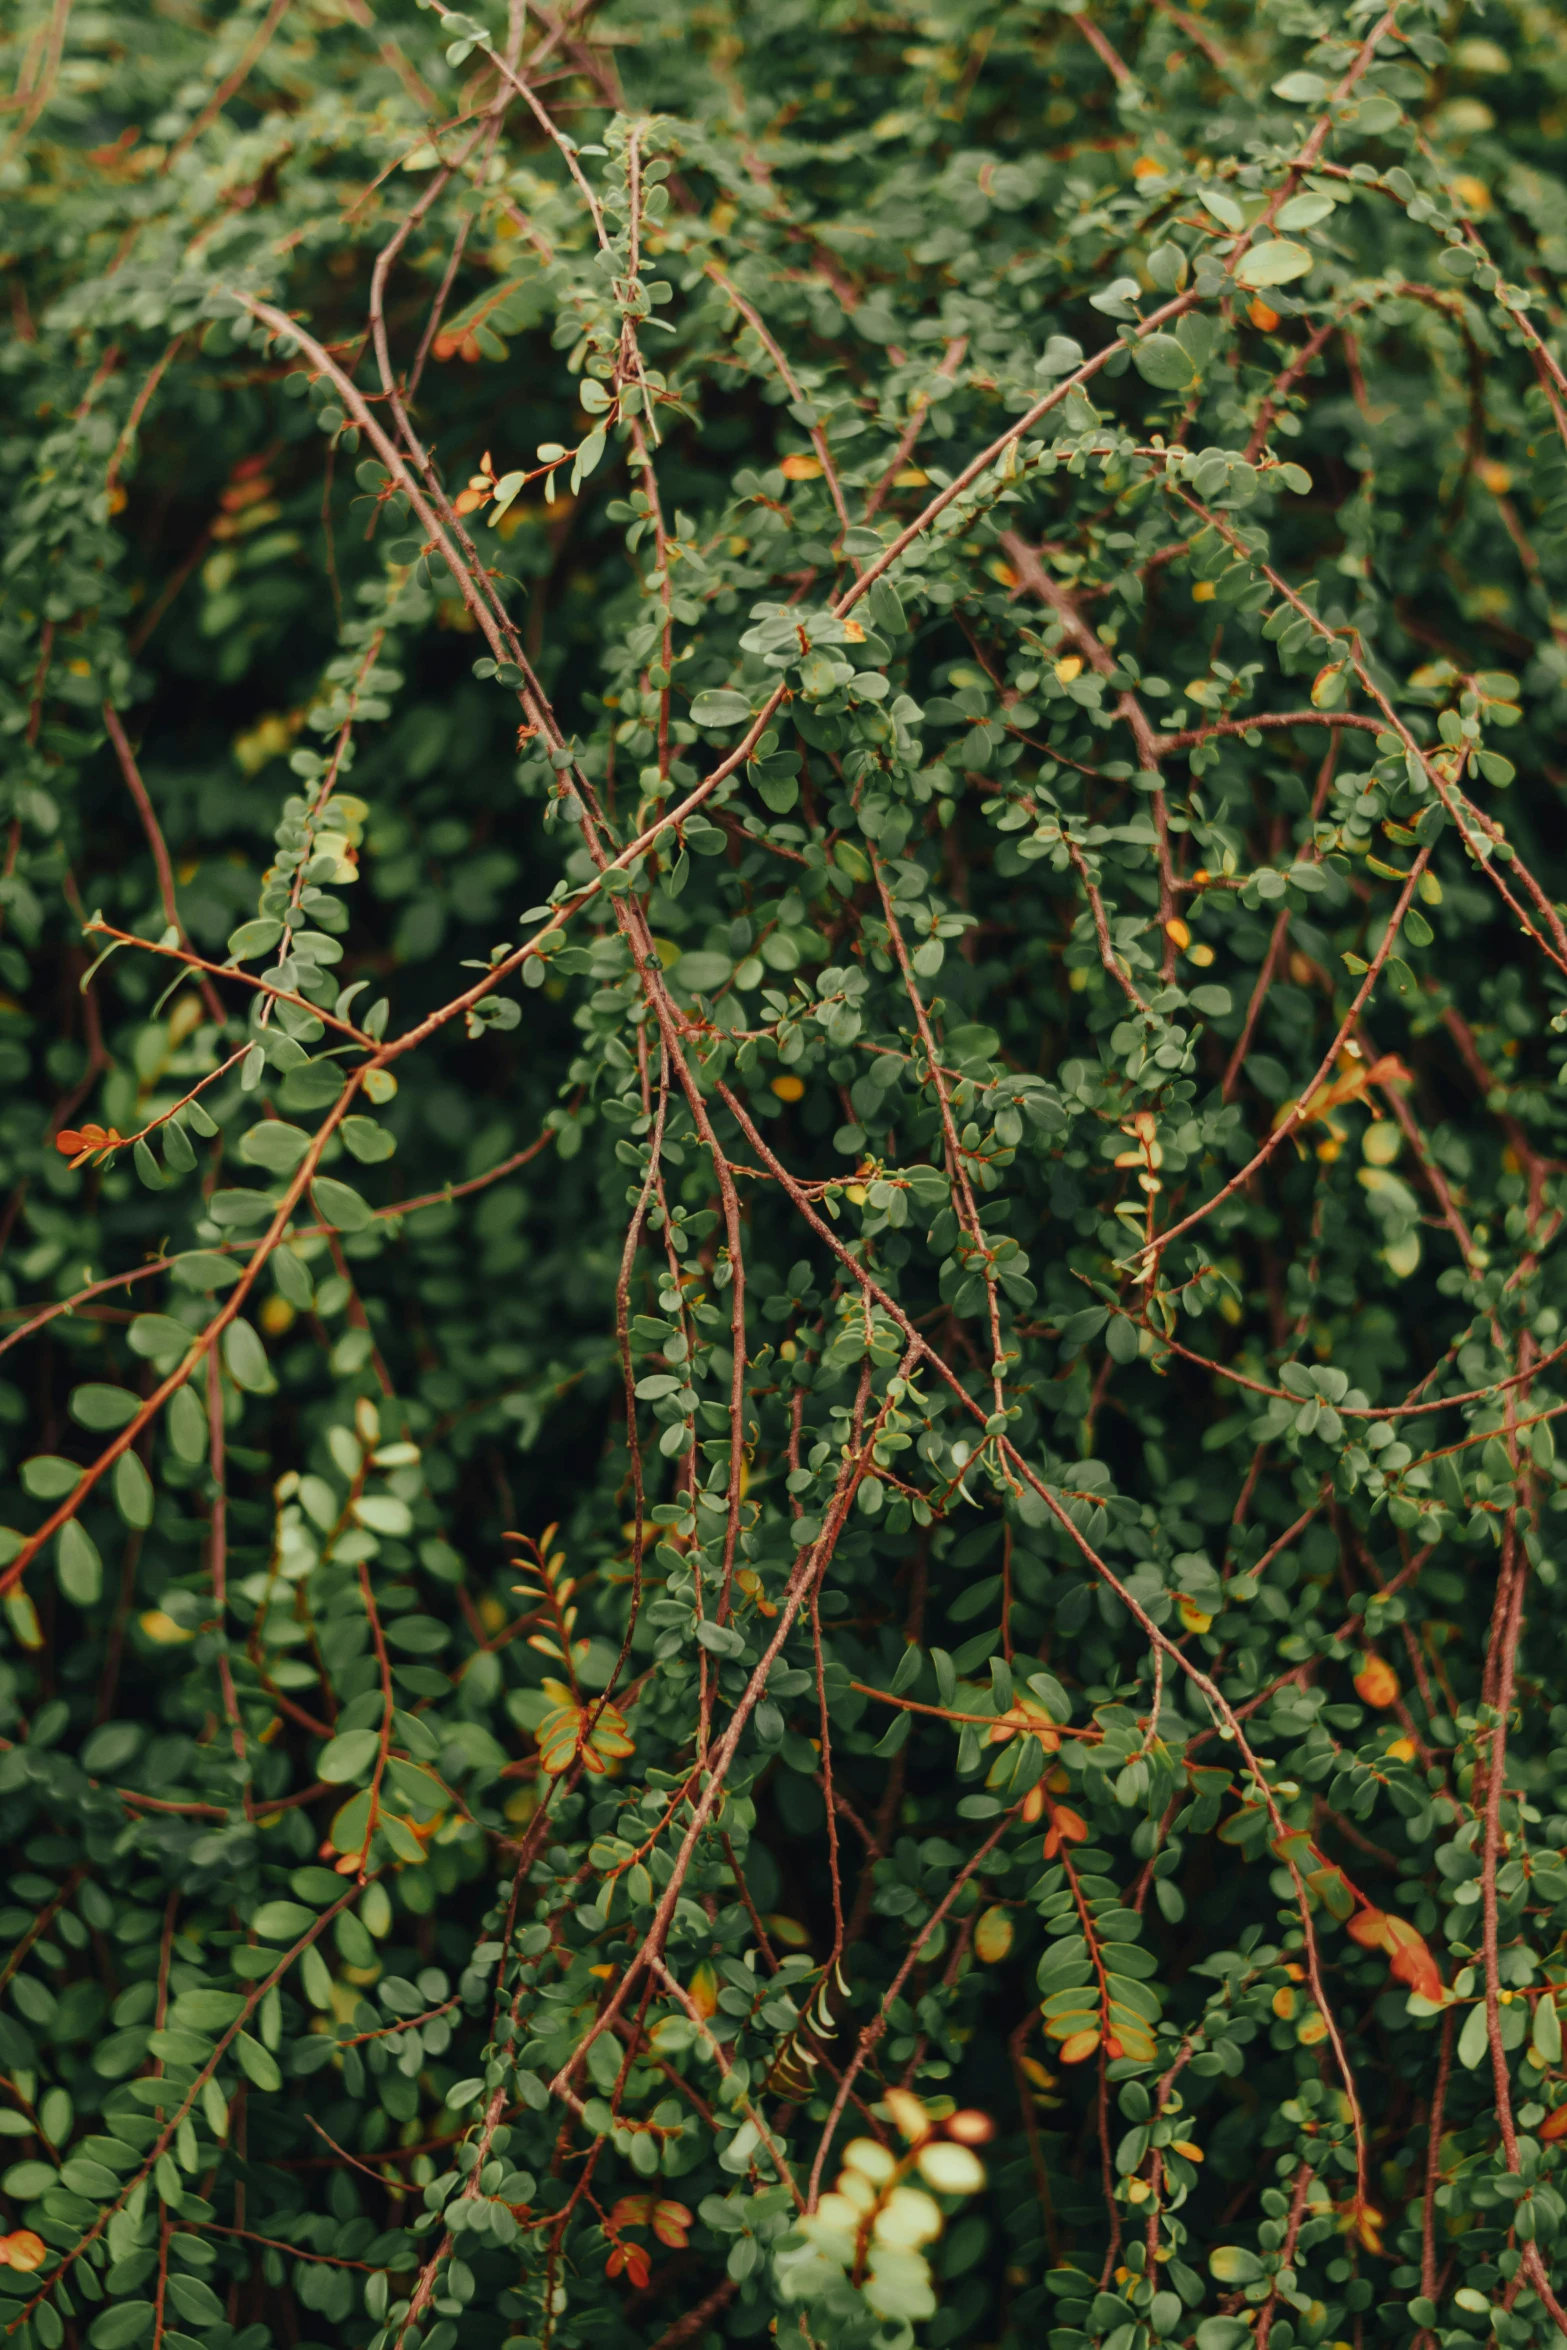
783, 1136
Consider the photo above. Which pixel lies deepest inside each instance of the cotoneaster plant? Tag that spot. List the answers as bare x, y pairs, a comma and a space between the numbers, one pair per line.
783, 1176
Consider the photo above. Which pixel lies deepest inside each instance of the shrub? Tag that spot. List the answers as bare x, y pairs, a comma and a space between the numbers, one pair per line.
781, 1160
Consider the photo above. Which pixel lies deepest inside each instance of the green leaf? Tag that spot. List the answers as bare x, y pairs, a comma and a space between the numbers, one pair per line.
104, 1407
178, 1154
1224, 208
506, 492
155, 1335
1545, 2037
1160, 360
188, 1432
245, 1359
197, 2303
25, 2180
275, 1146
253, 939
204, 1269
1232, 2264
1473, 2040
1304, 211
339, 1205
368, 1142
78, 1566
93, 2179
133, 1492
719, 708
121, 2324
702, 974
1122, 1338
350, 1756
206, 2011
49, 1477
314, 1978
257, 2063
383, 1513
1273, 264
283, 1921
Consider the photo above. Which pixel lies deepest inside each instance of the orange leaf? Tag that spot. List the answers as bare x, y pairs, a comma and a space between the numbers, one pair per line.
77, 1145
1066, 1827
1408, 1955
1554, 2126
1377, 1682
23, 2250
1080, 2045
633, 2260
1412, 1963
1349, 1086
1368, 1927
670, 2222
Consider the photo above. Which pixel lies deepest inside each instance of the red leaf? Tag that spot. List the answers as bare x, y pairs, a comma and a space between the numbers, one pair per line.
1408, 1956
1368, 1927
1412, 1963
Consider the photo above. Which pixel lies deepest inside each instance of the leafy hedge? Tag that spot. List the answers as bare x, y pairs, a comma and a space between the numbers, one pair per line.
782, 1171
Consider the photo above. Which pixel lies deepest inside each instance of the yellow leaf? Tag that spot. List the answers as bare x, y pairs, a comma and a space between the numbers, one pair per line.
993, 1936
163, 1629
907, 2113
703, 1990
